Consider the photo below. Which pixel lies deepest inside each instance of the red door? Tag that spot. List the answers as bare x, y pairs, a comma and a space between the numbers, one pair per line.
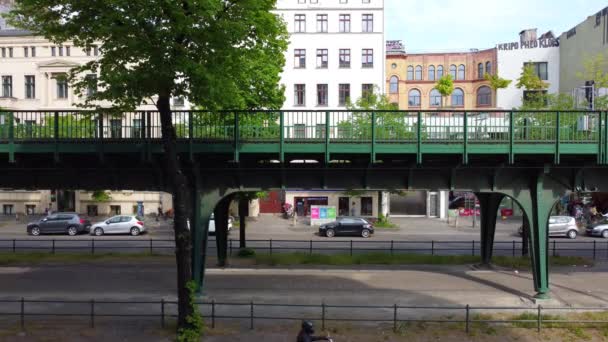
271, 204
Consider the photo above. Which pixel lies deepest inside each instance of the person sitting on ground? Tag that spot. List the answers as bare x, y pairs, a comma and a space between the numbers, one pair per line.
306, 334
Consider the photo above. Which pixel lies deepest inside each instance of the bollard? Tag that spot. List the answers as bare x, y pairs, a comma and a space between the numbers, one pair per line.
53, 247
92, 313
539, 323
92, 246
514, 248
593, 249
467, 317
151, 246
395, 318
251, 317
392, 247
162, 313
473, 248
433, 247
22, 316
14, 245
213, 314
270, 246
323, 316
310, 247
351, 248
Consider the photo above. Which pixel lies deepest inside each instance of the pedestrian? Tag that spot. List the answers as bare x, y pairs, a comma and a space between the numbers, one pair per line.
46, 211
159, 214
352, 210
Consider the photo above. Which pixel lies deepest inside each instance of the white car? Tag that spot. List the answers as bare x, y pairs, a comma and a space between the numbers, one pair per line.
121, 224
212, 224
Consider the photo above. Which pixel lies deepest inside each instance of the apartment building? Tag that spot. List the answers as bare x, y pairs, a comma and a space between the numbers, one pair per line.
336, 51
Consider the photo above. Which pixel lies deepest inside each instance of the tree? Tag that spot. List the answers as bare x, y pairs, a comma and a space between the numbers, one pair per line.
535, 96
101, 196
497, 82
445, 87
220, 54
596, 70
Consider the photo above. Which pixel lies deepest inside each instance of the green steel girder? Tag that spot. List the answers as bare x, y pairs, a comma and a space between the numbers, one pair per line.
489, 204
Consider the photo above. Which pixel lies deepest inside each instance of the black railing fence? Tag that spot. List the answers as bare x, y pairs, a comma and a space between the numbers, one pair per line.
21, 311
595, 249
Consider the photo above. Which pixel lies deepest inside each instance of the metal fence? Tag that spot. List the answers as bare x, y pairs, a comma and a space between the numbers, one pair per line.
162, 311
596, 249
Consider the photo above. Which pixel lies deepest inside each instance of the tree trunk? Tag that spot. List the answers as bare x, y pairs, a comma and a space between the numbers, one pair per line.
179, 188
243, 213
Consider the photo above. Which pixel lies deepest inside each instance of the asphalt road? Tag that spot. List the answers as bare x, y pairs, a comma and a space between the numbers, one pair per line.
429, 286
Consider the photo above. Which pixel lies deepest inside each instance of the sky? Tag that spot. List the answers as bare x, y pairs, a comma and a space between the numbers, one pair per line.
442, 25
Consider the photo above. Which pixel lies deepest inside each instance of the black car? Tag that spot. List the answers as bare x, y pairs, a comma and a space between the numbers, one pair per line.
60, 223
347, 226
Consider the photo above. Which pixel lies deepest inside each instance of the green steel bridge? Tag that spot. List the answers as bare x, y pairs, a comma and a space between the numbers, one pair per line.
534, 157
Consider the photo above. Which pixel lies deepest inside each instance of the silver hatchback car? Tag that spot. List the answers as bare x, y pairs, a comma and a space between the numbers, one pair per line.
561, 226
119, 225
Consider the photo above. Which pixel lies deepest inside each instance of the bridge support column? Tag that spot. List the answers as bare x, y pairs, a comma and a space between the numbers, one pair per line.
489, 204
221, 230
537, 205
243, 213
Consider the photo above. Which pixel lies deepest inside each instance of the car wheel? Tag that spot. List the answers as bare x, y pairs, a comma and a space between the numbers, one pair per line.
605, 234
98, 232
135, 231
572, 234
35, 231
365, 233
330, 233
72, 231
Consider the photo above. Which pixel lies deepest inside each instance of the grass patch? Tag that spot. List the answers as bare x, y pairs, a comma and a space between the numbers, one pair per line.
398, 259
36, 258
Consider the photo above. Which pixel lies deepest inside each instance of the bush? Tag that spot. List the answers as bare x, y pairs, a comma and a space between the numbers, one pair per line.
246, 253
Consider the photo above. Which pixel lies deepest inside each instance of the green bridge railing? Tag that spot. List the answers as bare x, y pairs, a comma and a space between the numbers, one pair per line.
310, 126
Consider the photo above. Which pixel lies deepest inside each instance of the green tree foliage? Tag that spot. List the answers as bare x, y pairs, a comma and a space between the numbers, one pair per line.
529, 80
497, 82
445, 87
220, 54
391, 124
69, 126
101, 196
596, 70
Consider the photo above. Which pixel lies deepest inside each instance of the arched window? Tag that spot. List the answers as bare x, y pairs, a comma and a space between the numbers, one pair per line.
439, 71
394, 85
414, 98
489, 68
461, 71
453, 71
431, 73
458, 98
410, 73
435, 98
418, 73
480, 70
484, 96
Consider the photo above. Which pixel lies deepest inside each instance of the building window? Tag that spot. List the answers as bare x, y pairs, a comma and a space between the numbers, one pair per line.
62, 87
461, 72
91, 84
300, 23
418, 74
439, 71
10, 52
33, 51
367, 90
344, 97
60, 49
300, 58
414, 98
458, 98
321, 22
368, 58
436, 98
30, 209
480, 71
26, 52
394, 85
322, 95
488, 68
30, 87
136, 129
410, 73
344, 58
114, 210
484, 96
344, 23
541, 69
431, 73
67, 51
368, 23
116, 128
7, 209
95, 50
453, 72
7, 86
3, 52
53, 51
322, 58
300, 95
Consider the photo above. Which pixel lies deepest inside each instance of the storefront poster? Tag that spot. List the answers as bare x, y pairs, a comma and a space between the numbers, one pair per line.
321, 215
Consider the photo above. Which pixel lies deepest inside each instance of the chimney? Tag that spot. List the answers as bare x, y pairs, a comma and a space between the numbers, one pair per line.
527, 35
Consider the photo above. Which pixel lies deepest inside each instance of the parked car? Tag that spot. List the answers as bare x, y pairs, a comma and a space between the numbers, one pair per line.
59, 223
598, 229
560, 226
120, 224
212, 224
347, 226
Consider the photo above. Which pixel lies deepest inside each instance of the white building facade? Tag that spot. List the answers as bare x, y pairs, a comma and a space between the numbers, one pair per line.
336, 51
544, 55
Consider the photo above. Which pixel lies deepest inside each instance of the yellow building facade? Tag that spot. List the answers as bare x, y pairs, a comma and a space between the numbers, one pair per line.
411, 80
